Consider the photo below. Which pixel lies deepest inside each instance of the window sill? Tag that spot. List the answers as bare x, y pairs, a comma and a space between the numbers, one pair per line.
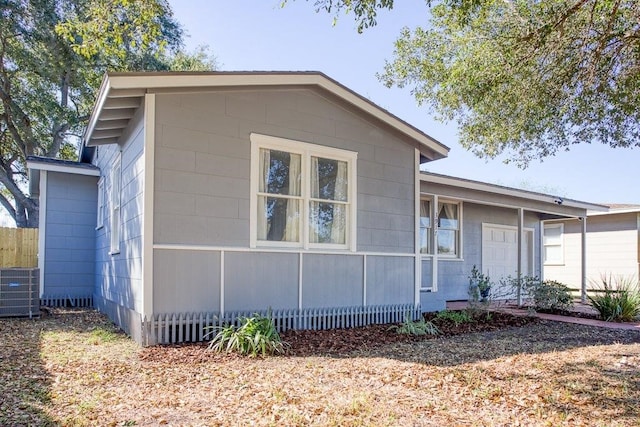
554, 264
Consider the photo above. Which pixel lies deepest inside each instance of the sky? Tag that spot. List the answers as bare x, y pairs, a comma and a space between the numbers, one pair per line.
259, 35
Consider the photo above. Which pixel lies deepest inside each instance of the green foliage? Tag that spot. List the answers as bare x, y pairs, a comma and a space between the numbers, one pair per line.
416, 327
526, 79
618, 299
457, 317
479, 286
255, 336
52, 57
550, 295
522, 78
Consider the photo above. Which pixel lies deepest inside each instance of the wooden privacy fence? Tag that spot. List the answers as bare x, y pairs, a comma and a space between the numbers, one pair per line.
18, 247
191, 327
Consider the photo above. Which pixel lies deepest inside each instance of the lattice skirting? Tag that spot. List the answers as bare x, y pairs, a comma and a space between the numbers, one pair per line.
170, 328
66, 301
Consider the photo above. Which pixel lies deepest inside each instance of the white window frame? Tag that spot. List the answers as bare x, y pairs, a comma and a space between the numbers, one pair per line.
432, 232
101, 204
115, 199
559, 261
428, 230
306, 151
436, 226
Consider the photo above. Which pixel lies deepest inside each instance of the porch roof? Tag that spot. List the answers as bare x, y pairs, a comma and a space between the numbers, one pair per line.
493, 194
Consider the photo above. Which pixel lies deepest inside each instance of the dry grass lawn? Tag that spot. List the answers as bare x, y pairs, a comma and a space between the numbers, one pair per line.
73, 368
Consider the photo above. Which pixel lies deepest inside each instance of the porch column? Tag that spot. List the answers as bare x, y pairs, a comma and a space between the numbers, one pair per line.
583, 293
520, 251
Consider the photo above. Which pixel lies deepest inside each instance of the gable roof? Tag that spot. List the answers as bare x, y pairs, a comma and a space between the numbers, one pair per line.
121, 95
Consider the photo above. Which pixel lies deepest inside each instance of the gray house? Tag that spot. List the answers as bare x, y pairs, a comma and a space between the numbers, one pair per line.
220, 193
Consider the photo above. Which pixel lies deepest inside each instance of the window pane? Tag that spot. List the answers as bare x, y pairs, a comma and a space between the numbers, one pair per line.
425, 213
329, 179
553, 254
279, 172
447, 242
424, 241
448, 215
327, 223
552, 236
278, 219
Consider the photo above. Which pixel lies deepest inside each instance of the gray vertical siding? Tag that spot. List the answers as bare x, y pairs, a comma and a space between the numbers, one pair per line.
260, 280
390, 280
332, 280
186, 281
118, 277
70, 234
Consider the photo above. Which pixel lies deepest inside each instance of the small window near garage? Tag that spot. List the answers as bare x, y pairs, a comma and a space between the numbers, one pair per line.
449, 229
100, 219
425, 226
553, 244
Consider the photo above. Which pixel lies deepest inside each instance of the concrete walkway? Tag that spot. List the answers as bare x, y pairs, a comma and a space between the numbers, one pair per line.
583, 308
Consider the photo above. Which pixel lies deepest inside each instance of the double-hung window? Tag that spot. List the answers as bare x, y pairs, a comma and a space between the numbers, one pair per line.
449, 229
302, 194
444, 231
552, 241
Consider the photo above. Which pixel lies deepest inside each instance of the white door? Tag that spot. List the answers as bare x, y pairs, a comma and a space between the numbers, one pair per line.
500, 251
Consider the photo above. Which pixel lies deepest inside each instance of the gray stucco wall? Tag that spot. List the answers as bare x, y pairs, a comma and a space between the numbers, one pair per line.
202, 193
118, 277
70, 234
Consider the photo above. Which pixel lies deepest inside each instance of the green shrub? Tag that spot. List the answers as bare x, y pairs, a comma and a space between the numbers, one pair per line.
457, 317
551, 295
618, 299
255, 335
417, 327
479, 286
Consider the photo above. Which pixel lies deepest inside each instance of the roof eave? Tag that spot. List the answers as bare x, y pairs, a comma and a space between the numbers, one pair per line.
509, 191
430, 147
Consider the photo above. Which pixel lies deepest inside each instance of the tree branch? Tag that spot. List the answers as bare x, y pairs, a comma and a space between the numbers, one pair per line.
7, 205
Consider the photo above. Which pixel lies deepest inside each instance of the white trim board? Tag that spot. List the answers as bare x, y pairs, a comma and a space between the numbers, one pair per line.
44, 166
42, 225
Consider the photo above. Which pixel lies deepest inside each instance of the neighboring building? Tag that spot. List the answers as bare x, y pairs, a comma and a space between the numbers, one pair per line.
228, 192
612, 246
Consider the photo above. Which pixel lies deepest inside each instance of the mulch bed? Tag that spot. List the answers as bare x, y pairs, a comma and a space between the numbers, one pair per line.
346, 341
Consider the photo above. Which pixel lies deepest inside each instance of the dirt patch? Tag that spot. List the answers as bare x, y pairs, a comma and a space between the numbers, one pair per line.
74, 368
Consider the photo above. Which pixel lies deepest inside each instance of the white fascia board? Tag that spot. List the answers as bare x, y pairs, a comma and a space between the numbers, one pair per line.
165, 81
506, 191
613, 212
103, 93
62, 168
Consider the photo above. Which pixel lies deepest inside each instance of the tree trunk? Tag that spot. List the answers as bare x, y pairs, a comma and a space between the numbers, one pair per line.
27, 217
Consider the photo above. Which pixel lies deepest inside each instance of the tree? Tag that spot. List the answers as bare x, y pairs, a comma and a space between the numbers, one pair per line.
53, 54
522, 78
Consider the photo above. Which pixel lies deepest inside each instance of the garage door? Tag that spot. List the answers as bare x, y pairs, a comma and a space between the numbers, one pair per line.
500, 251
